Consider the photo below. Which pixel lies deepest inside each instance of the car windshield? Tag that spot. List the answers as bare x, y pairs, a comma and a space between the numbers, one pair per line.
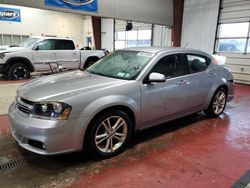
121, 64
29, 42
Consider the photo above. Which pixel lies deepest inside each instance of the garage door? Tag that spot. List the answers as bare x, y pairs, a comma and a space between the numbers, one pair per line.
140, 35
233, 37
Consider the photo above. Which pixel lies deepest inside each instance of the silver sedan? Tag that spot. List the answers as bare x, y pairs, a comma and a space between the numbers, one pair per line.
129, 90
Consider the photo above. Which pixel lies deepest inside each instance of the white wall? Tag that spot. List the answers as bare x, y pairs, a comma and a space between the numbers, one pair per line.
42, 22
87, 31
161, 35
107, 37
199, 24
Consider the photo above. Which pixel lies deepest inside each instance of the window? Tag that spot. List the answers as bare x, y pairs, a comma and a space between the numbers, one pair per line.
7, 39
12, 39
134, 38
121, 64
16, 39
46, 45
233, 37
197, 63
171, 66
64, 45
248, 48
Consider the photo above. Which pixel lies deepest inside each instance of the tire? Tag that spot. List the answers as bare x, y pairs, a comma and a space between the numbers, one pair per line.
104, 141
90, 61
18, 71
217, 104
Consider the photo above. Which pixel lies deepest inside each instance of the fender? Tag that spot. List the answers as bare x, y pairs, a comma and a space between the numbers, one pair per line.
101, 104
110, 101
23, 59
221, 82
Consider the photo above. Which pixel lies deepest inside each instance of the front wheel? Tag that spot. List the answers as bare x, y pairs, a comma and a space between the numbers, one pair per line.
18, 71
217, 104
109, 134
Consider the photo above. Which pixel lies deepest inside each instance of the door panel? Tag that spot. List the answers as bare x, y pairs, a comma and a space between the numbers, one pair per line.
66, 55
42, 58
161, 100
199, 87
44, 55
69, 59
200, 79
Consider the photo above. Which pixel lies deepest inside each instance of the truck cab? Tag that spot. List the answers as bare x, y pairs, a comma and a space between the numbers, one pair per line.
44, 54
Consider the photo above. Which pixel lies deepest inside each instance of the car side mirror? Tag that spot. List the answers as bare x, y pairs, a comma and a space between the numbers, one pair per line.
36, 47
156, 77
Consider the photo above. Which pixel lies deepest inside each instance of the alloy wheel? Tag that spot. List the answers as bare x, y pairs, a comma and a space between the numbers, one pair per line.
111, 134
219, 102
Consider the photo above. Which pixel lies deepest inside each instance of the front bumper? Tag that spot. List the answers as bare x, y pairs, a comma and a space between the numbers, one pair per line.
44, 137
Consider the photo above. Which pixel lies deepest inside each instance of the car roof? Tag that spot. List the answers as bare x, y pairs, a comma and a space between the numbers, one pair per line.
41, 37
158, 49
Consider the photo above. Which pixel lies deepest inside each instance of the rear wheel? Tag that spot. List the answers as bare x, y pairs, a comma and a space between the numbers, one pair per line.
109, 134
18, 71
217, 104
90, 61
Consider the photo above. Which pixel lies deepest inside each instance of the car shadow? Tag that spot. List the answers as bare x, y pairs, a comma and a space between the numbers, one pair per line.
82, 159
166, 128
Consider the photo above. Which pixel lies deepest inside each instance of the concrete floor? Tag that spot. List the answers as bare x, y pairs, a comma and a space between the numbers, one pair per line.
189, 152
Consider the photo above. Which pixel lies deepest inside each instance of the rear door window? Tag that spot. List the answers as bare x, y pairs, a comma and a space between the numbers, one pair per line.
65, 45
197, 63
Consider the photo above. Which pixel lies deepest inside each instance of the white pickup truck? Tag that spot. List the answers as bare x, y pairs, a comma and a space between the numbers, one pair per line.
44, 54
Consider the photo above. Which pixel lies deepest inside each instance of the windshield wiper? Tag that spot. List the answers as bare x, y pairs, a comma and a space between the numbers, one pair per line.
101, 74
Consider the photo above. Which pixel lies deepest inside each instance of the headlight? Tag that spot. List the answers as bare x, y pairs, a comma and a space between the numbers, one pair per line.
51, 111
2, 55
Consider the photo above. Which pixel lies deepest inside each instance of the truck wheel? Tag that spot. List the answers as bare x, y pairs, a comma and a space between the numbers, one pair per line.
109, 134
90, 61
18, 71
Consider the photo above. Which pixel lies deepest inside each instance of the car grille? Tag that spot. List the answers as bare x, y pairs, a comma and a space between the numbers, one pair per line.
27, 101
24, 105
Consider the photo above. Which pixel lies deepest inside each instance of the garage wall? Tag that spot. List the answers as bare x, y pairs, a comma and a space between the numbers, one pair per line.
42, 22
161, 35
235, 11
199, 24
158, 12
107, 31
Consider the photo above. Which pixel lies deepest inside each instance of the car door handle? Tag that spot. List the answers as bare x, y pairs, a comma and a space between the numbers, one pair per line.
212, 75
183, 82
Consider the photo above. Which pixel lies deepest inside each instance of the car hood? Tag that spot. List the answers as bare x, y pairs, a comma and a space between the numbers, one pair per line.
66, 85
2, 48
8, 49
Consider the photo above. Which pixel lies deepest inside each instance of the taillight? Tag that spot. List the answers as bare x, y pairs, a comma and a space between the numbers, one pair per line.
215, 61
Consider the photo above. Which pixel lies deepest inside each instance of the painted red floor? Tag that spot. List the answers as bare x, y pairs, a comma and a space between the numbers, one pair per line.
208, 153
190, 152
